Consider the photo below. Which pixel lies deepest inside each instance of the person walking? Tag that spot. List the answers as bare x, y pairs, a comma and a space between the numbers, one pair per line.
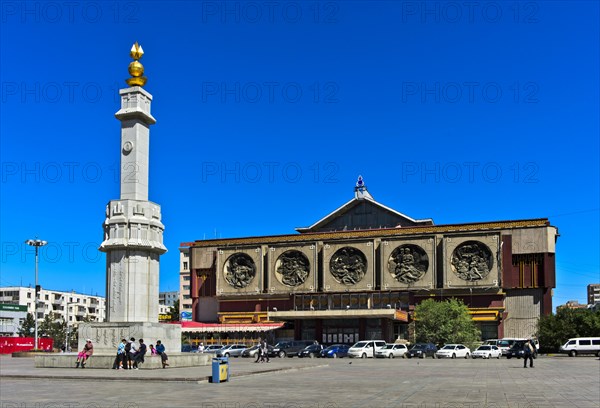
529, 349
259, 351
265, 352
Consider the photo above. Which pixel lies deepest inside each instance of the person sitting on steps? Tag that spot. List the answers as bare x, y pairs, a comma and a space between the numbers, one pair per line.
84, 354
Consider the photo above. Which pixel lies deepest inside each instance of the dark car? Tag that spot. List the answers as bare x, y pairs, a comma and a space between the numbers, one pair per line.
290, 348
518, 350
336, 351
422, 350
312, 351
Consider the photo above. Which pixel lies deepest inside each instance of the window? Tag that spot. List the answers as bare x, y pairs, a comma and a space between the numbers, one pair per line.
585, 342
186, 287
186, 296
28, 295
185, 265
187, 278
596, 342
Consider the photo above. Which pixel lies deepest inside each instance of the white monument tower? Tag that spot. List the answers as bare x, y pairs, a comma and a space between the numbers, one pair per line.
133, 233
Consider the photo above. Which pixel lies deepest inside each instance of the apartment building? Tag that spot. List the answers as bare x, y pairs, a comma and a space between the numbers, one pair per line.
76, 305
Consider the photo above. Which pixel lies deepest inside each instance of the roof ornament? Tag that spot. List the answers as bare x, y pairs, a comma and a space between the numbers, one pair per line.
136, 69
360, 190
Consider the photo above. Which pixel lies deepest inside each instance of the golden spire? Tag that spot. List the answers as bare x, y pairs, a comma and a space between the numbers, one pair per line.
136, 69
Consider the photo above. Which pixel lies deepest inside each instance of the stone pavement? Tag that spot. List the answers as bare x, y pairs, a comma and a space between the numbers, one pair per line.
313, 383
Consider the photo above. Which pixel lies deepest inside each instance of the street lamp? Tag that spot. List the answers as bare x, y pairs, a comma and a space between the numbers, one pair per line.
67, 326
37, 243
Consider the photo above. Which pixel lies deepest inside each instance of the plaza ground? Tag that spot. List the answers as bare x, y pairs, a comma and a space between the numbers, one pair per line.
555, 381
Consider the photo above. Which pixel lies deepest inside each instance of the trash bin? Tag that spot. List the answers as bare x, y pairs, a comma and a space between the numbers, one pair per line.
220, 369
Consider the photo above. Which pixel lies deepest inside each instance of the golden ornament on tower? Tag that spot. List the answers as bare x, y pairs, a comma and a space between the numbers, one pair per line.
136, 69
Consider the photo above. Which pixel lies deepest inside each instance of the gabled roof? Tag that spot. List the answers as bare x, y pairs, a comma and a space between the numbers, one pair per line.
361, 196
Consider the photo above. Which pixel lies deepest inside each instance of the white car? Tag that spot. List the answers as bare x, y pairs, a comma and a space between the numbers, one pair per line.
453, 351
365, 348
391, 351
487, 351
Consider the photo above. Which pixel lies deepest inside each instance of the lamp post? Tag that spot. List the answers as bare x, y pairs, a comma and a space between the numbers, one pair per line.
37, 243
67, 325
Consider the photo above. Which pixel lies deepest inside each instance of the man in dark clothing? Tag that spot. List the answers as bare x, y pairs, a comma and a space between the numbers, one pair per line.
528, 349
138, 356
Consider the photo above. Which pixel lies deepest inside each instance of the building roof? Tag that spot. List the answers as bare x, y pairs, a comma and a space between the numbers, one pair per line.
379, 232
362, 196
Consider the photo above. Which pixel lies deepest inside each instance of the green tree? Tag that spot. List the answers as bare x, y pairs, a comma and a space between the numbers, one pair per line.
55, 327
555, 329
27, 327
174, 312
447, 321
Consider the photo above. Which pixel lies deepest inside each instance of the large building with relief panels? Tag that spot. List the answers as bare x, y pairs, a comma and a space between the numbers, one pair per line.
359, 272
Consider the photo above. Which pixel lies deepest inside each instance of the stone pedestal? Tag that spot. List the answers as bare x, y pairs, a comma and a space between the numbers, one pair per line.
107, 336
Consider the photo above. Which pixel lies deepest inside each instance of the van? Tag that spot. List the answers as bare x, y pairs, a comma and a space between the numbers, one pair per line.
581, 345
291, 348
366, 348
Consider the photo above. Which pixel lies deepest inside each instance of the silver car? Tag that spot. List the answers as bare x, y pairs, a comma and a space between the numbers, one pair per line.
233, 350
391, 351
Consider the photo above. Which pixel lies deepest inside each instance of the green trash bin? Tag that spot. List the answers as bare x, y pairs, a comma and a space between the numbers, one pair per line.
220, 369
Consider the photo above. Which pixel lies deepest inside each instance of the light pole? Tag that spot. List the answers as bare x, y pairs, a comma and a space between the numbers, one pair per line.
67, 326
37, 243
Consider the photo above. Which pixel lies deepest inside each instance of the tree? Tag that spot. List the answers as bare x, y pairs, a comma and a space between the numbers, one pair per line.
27, 327
445, 322
55, 327
174, 312
555, 329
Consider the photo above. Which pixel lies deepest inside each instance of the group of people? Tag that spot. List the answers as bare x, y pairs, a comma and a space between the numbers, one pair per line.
262, 354
130, 354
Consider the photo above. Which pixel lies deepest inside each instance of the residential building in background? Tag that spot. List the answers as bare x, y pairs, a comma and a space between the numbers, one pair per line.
78, 306
593, 293
185, 299
168, 298
11, 319
572, 304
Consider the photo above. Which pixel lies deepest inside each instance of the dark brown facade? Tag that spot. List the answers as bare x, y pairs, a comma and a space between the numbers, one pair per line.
346, 285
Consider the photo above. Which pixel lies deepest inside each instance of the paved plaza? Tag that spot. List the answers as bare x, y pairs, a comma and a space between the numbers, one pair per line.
312, 383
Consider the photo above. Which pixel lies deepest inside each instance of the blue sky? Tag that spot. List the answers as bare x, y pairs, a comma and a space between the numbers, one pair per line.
268, 111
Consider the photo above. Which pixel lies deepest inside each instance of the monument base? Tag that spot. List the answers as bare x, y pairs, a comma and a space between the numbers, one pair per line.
176, 360
107, 336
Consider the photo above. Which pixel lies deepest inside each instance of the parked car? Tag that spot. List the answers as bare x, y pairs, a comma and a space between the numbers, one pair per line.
233, 350
365, 348
422, 350
186, 348
253, 351
518, 350
581, 345
290, 348
336, 351
487, 351
453, 351
213, 348
392, 351
312, 351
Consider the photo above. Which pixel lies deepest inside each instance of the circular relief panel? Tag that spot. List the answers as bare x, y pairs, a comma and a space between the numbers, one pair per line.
472, 261
348, 265
292, 268
239, 270
408, 263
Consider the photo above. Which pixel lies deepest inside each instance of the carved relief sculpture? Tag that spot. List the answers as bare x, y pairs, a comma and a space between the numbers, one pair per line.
408, 263
239, 270
348, 265
472, 261
292, 268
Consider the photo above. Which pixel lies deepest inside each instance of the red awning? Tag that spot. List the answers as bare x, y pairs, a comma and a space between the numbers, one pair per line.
199, 327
